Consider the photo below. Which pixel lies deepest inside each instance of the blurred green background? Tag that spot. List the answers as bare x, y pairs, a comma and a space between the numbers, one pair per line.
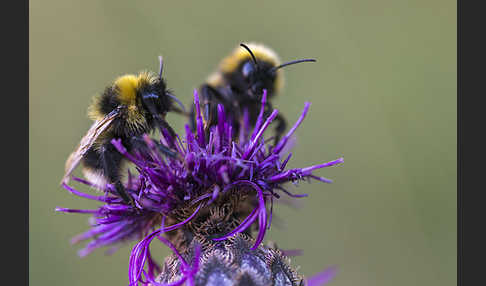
383, 95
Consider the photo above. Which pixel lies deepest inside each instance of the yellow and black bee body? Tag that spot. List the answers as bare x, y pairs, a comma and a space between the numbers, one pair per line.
238, 85
130, 107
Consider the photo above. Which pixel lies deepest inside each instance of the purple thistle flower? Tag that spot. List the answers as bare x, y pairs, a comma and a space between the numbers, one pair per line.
208, 166
322, 277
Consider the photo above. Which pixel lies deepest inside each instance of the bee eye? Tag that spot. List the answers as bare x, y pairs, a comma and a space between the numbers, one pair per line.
247, 69
150, 96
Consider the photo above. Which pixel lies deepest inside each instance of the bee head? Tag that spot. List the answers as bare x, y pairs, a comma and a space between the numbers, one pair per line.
257, 73
258, 76
262, 71
155, 97
150, 95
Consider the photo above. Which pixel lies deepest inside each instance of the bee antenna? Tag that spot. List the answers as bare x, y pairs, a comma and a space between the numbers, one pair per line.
161, 66
249, 51
292, 62
173, 97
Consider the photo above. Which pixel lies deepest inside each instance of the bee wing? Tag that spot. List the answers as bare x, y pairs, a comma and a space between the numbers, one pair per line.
86, 142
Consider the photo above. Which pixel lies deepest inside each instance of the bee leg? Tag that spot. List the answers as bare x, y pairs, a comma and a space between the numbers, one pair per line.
137, 143
120, 189
280, 128
179, 111
281, 122
169, 128
192, 118
210, 98
111, 160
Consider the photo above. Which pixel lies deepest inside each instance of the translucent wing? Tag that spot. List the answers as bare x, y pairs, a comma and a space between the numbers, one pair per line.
86, 142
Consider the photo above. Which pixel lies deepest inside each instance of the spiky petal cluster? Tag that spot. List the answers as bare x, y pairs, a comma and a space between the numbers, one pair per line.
112, 222
207, 165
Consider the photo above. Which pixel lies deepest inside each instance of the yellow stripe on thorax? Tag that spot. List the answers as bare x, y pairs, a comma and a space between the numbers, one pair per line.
261, 52
128, 85
127, 89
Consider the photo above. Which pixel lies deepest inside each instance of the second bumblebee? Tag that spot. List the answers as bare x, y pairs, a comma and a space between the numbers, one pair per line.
239, 82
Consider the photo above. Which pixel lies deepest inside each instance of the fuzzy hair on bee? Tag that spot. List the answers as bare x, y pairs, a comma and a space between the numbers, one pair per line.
239, 83
127, 92
131, 106
236, 66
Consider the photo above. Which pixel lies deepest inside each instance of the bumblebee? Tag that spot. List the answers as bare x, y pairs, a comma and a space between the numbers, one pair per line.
238, 84
130, 107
